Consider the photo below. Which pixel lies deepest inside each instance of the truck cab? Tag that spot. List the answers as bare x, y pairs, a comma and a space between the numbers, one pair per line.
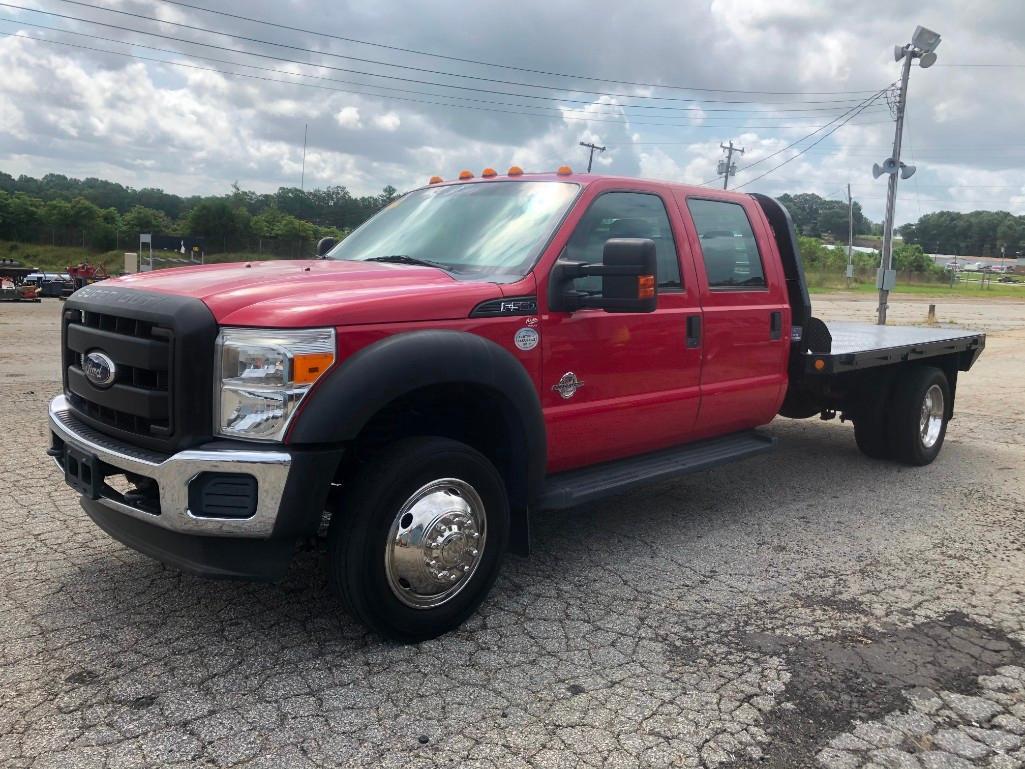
480, 351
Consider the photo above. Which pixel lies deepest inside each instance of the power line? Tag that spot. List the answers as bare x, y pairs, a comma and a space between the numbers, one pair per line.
519, 112
817, 141
357, 58
849, 115
365, 73
494, 64
761, 114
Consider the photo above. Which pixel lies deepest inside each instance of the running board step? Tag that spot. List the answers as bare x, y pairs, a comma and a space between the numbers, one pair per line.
576, 487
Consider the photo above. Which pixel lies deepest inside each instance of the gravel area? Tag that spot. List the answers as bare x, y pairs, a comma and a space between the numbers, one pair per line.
807, 608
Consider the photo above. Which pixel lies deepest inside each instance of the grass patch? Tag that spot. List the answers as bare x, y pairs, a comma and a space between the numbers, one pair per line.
821, 283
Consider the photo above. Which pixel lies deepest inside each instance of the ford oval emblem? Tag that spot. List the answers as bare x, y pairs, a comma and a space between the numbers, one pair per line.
99, 368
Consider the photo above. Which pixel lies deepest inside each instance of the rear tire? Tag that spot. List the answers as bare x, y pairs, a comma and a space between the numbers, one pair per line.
918, 415
871, 421
419, 537
872, 437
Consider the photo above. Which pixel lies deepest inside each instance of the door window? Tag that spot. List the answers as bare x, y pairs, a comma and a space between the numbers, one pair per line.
625, 215
728, 245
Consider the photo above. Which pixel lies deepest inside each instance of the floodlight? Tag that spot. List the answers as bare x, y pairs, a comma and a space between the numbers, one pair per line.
926, 60
925, 39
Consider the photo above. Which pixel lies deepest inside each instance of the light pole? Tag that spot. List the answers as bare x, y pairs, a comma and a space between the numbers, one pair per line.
922, 47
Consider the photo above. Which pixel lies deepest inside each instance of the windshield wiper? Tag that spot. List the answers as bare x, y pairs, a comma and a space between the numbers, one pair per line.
404, 259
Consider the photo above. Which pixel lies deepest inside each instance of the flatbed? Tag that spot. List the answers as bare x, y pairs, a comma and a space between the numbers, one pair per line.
855, 346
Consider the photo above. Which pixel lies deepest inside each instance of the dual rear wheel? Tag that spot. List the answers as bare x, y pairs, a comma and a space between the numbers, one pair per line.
909, 422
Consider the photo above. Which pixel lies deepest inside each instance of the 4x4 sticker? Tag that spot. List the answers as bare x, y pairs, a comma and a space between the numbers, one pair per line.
526, 339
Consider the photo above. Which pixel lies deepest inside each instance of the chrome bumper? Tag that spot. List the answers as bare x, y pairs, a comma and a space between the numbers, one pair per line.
173, 473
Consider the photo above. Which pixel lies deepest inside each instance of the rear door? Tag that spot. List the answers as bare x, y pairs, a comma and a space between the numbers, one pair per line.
639, 378
745, 313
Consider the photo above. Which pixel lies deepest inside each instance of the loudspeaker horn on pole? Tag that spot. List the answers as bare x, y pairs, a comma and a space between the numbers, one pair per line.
889, 166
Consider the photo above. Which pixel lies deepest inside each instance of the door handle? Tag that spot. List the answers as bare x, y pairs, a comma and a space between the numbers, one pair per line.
775, 325
693, 331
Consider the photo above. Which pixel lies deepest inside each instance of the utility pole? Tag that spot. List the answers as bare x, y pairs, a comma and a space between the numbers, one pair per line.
922, 46
850, 236
726, 167
302, 178
593, 148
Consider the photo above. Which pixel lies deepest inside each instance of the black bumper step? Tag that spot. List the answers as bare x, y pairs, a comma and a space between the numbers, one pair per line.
576, 487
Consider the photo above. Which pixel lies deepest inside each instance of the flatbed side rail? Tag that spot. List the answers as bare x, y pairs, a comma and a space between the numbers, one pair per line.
966, 348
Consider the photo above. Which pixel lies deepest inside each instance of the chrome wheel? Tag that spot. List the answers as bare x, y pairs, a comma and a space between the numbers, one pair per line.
930, 421
435, 543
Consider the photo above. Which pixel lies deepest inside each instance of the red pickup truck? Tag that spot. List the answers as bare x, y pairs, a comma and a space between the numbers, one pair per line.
478, 352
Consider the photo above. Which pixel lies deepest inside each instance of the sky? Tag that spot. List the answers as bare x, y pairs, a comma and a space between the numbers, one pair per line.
391, 93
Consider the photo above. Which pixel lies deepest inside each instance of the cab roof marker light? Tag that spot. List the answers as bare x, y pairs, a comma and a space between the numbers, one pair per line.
465, 175
489, 173
515, 171
436, 180
564, 171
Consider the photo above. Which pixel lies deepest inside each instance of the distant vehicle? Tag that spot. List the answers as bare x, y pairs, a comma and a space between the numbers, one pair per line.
953, 267
1000, 268
973, 266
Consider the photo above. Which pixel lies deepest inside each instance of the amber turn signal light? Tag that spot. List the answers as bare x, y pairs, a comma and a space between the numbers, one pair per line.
820, 364
465, 175
564, 171
308, 368
487, 173
436, 180
515, 171
645, 286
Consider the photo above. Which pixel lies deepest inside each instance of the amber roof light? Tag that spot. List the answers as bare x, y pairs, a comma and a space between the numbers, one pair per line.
515, 171
465, 175
436, 180
564, 171
487, 173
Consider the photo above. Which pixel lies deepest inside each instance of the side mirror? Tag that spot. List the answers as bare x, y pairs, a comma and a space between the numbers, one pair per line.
629, 278
326, 244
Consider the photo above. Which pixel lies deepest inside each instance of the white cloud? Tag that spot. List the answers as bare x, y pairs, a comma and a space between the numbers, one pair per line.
389, 121
348, 117
65, 110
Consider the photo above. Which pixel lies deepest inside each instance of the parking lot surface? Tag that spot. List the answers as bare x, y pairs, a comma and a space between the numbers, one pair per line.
807, 608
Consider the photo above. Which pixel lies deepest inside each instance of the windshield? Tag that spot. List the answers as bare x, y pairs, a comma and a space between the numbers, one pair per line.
492, 230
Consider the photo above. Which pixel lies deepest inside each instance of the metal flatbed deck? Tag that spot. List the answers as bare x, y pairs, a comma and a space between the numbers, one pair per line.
864, 345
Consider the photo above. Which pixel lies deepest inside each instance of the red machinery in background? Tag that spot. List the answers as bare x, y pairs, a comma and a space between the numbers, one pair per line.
83, 274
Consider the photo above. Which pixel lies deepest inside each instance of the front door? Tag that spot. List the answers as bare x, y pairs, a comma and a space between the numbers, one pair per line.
617, 384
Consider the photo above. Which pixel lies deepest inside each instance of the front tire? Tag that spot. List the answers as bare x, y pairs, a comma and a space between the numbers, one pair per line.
419, 538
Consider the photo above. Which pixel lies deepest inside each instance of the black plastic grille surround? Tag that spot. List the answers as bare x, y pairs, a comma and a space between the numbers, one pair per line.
162, 346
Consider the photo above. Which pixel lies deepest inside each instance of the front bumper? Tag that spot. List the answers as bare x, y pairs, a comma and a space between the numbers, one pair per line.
290, 496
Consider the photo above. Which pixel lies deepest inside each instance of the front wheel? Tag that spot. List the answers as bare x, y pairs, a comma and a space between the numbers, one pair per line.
419, 538
919, 415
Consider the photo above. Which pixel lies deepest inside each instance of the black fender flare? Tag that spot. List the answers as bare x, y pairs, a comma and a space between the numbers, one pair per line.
350, 394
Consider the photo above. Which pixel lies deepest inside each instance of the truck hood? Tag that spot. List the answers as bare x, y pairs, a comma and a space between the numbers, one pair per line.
322, 292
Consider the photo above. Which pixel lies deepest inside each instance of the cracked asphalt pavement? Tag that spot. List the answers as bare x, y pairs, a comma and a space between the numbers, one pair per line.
807, 608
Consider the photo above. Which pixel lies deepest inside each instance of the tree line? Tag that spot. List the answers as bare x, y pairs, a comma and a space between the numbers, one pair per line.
104, 215
979, 233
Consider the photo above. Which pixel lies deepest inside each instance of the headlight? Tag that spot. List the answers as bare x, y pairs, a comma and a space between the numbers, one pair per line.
263, 376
